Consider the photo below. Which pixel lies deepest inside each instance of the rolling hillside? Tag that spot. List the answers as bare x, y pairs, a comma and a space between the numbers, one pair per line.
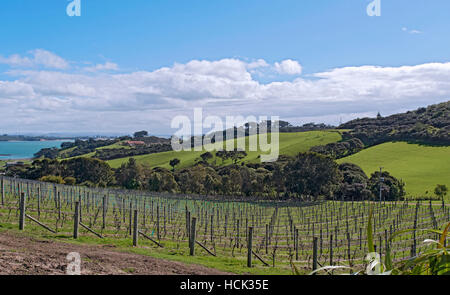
421, 167
290, 144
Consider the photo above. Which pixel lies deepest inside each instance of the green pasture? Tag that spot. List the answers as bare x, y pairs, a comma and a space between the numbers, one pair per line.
420, 167
290, 144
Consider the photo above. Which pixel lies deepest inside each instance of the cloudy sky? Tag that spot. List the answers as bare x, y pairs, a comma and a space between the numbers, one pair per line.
122, 67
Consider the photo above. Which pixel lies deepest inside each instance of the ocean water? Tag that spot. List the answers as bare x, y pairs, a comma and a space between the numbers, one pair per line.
12, 150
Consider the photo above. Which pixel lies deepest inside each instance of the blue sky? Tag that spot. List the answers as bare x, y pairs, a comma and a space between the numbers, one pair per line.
142, 36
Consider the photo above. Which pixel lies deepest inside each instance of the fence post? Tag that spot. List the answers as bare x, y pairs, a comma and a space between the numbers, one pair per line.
130, 217
3, 192
296, 243
157, 222
39, 201
212, 228
135, 228
76, 220
22, 208
104, 212
59, 205
331, 250
267, 238
79, 208
188, 225
192, 237
238, 230
249, 246
314, 253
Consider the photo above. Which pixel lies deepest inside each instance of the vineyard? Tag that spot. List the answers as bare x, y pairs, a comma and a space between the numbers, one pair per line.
258, 234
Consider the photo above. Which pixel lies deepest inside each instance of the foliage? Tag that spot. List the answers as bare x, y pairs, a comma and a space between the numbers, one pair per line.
82, 147
107, 154
354, 185
425, 125
140, 134
130, 175
50, 153
441, 190
174, 163
312, 174
80, 169
391, 188
52, 179
340, 149
70, 180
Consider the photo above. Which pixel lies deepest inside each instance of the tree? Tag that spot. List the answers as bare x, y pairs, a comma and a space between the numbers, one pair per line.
130, 175
140, 134
441, 191
52, 179
391, 188
222, 155
154, 182
173, 163
354, 185
237, 155
70, 180
206, 156
49, 153
312, 174
88, 169
210, 184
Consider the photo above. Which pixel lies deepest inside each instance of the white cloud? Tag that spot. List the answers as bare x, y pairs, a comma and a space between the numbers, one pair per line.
289, 67
39, 57
260, 63
413, 32
62, 100
108, 66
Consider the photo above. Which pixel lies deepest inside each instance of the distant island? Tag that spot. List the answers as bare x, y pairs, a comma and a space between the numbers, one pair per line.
6, 137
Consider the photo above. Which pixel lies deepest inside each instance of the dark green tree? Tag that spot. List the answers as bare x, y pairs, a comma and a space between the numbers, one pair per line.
313, 175
173, 163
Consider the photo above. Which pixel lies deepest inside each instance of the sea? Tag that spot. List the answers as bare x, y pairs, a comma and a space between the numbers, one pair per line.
14, 150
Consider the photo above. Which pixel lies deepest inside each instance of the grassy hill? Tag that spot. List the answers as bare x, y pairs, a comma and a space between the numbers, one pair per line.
421, 167
290, 144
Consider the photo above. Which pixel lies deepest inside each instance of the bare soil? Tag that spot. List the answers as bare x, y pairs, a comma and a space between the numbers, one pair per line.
23, 255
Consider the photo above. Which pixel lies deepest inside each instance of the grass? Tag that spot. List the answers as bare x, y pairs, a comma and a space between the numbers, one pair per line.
420, 167
117, 145
319, 220
171, 252
290, 145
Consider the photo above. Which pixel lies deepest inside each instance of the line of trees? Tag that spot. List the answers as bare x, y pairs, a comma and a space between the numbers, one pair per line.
309, 176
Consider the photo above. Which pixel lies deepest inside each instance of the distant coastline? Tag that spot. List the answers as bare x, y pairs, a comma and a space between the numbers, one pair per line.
16, 150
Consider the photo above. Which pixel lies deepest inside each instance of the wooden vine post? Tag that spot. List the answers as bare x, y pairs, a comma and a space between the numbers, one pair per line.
192, 237
76, 220
104, 213
314, 253
135, 228
3, 191
22, 209
249, 246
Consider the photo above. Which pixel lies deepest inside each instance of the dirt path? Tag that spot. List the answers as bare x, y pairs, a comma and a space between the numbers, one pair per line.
27, 255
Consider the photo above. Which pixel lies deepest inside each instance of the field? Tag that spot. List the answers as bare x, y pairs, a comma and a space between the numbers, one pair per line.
290, 144
281, 231
420, 167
